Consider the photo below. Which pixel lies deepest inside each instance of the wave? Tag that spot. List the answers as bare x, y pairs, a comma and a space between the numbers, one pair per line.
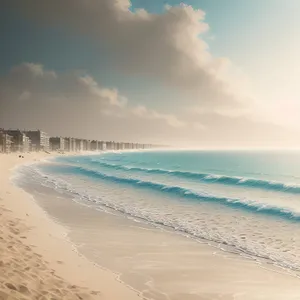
236, 203
158, 216
213, 178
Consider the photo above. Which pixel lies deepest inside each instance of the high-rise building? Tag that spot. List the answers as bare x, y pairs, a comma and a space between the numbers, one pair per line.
79, 144
66, 144
102, 146
110, 145
20, 142
5, 142
86, 145
70, 144
39, 140
57, 143
94, 145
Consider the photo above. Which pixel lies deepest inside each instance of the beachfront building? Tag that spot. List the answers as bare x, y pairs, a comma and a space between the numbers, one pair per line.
110, 145
102, 146
127, 146
78, 145
98, 145
20, 142
57, 144
70, 144
86, 145
66, 144
5, 142
39, 140
94, 145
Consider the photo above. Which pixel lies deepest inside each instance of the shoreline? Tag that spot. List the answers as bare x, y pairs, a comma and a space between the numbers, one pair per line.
111, 283
36, 257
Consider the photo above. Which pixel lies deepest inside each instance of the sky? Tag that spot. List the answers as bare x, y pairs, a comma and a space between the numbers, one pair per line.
199, 73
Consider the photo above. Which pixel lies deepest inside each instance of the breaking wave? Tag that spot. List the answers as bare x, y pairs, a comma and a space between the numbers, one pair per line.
177, 191
212, 178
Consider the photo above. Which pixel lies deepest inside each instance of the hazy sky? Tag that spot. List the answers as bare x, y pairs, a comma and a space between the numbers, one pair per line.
205, 73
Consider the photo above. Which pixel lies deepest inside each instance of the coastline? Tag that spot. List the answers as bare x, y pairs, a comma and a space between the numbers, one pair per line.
37, 261
58, 269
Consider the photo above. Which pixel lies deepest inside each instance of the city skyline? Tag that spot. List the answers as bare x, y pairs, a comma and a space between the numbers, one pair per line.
157, 72
22, 141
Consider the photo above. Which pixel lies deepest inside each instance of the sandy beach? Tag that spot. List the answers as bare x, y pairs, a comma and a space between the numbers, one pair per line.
39, 259
37, 262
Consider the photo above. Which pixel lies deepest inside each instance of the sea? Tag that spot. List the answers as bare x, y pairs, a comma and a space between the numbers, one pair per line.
246, 203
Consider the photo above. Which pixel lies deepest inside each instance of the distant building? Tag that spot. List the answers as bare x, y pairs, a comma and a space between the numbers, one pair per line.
127, 146
39, 140
66, 144
111, 145
57, 144
86, 145
79, 145
94, 145
70, 144
20, 142
5, 142
102, 146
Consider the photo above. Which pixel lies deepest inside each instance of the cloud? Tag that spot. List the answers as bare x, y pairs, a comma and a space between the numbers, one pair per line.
142, 112
75, 104
33, 82
167, 46
69, 103
212, 107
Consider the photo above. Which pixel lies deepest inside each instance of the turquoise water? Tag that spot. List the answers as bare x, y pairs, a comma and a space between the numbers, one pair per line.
247, 202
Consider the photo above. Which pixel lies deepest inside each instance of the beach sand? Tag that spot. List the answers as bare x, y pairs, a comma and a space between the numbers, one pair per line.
37, 261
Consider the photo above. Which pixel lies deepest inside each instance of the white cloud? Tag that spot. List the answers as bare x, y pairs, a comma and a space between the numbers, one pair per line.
112, 96
32, 71
74, 104
167, 46
142, 112
32, 96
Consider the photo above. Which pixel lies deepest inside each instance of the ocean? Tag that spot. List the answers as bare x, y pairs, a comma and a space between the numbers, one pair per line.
241, 202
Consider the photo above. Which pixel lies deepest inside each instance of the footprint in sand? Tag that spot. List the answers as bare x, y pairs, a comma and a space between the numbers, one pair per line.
10, 286
23, 289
